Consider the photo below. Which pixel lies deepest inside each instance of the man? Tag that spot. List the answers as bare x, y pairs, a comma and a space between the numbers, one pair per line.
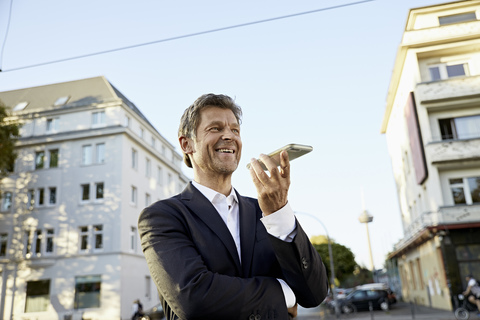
214, 254
137, 309
472, 291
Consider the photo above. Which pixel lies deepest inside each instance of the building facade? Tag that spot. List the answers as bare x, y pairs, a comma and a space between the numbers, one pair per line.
432, 128
88, 163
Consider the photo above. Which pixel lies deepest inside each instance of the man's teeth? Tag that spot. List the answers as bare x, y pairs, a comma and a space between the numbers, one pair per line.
225, 150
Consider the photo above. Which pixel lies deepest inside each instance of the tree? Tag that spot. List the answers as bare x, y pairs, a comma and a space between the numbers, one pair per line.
9, 134
343, 258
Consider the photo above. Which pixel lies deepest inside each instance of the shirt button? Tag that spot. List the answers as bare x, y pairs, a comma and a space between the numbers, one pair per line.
258, 317
252, 317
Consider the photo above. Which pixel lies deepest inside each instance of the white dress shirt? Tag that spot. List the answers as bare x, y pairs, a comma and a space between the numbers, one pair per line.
280, 224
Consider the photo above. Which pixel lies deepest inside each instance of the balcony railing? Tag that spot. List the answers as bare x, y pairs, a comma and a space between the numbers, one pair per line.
447, 215
453, 150
456, 31
447, 89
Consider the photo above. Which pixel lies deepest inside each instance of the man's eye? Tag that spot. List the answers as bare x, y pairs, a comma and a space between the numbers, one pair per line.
215, 129
236, 130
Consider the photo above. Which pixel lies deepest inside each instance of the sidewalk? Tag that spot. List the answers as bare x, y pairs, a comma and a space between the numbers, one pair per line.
399, 311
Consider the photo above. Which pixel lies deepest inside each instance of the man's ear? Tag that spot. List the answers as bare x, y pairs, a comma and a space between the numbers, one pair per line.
186, 144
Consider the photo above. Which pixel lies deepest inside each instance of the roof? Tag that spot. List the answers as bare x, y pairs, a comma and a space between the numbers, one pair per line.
79, 92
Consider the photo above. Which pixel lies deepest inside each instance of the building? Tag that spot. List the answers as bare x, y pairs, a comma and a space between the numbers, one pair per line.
432, 128
88, 163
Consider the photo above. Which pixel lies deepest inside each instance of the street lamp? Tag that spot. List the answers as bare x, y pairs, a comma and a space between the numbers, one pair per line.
330, 254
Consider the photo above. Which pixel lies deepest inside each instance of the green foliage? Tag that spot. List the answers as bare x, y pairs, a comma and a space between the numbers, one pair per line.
360, 276
9, 133
343, 258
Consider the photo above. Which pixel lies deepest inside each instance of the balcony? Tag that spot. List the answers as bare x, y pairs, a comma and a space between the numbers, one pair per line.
453, 150
459, 215
448, 33
462, 87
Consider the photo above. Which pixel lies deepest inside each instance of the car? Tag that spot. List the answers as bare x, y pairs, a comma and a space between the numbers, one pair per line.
155, 313
379, 297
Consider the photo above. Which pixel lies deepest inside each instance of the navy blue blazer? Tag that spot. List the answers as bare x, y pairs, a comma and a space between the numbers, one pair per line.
194, 262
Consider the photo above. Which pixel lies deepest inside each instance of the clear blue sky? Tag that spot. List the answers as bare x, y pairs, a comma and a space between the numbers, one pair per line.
319, 79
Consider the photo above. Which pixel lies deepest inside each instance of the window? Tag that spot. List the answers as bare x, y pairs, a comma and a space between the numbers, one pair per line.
86, 154
141, 133
446, 71
465, 190
28, 244
38, 243
30, 199
39, 159
154, 142
456, 18
98, 118
41, 196
20, 106
53, 195
38, 296
85, 192
61, 101
148, 287
99, 190
53, 155
6, 201
133, 198
420, 276
148, 168
83, 239
52, 125
460, 128
87, 292
159, 176
100, 152
126, 122
134, 159
147, 200
49, 244
98, 236
3, 244
133, 239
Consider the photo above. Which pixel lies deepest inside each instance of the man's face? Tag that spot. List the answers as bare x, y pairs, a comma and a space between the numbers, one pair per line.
217, 146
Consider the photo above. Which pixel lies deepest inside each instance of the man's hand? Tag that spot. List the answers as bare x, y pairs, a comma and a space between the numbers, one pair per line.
272, 190
293, 311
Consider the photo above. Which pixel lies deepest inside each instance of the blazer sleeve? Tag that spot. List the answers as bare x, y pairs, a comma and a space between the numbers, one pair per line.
302, 268
185, 283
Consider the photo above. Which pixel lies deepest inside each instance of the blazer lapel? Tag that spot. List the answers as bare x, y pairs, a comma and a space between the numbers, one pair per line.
203, 208
248, 221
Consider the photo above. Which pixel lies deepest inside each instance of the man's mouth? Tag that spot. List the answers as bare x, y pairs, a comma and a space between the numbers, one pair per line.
225, 151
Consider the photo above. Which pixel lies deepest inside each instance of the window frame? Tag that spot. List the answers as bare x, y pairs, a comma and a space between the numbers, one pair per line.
3, 244
39, 155
95, 285
98, 118
7, 201
29, 297
53, 154
443, 70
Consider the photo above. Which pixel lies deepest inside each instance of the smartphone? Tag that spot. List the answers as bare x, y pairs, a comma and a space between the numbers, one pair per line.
294, 151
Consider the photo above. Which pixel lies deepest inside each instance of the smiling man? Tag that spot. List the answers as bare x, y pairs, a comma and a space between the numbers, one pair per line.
215, 254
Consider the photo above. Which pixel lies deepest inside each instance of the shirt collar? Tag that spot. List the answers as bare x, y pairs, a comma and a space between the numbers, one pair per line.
211, 194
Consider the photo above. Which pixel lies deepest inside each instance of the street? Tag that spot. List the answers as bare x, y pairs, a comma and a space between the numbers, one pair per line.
399, 311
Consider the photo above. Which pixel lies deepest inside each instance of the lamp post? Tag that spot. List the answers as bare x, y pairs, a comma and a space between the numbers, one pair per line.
330, 254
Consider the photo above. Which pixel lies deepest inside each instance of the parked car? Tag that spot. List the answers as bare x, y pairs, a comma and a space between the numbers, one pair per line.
155, 313
362, 296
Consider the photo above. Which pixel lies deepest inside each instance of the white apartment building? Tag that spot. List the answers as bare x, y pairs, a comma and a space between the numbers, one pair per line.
88, 163
432, 128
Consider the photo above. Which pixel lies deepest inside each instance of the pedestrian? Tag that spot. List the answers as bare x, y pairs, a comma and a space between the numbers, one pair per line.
137, 309
215, 254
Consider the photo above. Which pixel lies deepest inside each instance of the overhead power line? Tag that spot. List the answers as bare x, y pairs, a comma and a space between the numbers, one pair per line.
187, 35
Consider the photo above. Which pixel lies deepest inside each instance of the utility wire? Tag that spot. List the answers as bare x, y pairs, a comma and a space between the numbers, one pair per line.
6, 34
188, 35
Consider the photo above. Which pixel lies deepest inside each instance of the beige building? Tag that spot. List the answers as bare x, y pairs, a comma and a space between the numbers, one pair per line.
432, 127
88, 163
